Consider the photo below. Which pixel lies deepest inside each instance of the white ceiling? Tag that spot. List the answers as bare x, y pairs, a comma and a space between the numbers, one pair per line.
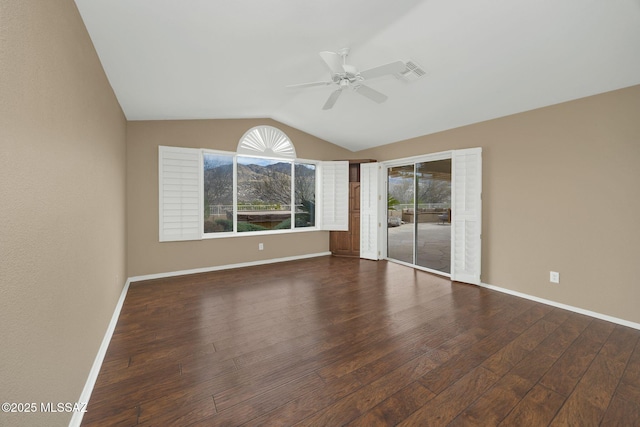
197, 59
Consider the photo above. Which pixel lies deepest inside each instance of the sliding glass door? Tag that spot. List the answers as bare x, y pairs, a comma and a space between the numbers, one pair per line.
433, 226
433, 209
419, 214
400, 232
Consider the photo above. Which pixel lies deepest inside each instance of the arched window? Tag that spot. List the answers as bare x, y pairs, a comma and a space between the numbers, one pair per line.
262, 187
273, 190
266, 141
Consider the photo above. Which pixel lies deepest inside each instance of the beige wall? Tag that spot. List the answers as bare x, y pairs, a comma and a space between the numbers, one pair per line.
62, 205
559, 186
560, 192
146, 255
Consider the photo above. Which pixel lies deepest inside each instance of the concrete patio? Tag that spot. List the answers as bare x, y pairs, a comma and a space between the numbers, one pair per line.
433, 245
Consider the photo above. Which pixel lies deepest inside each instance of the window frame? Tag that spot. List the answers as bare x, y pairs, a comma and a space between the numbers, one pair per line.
233, 156
235, 232
331, 183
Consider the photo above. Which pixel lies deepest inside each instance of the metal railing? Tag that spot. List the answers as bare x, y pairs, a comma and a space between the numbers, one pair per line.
422, 206
223, 209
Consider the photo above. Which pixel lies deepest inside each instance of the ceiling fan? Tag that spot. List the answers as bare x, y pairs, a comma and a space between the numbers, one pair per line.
347, 76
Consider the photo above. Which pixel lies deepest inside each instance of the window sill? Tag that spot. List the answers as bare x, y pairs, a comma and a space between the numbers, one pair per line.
208, 236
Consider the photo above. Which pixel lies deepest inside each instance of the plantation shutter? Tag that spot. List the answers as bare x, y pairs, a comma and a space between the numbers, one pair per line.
179, 192
369, 210
334, 190
466, 213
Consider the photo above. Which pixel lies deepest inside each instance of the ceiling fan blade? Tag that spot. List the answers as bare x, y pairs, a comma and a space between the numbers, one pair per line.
372, 94
311, 84
332, 99
333, 61
382, 70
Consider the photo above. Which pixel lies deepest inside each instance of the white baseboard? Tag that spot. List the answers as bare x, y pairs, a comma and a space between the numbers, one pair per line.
564, 306
76, 419
224, 267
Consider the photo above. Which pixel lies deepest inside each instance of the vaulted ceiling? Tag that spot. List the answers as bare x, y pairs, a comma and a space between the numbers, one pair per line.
200, 59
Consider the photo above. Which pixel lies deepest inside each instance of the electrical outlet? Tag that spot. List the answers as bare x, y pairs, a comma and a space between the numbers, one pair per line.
260, 246
554, 277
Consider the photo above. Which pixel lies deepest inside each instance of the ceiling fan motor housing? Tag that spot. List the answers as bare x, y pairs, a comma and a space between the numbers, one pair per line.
350, 70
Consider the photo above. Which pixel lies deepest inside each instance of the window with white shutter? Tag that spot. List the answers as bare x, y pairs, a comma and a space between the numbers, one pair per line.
202, 195
179, 177
334, 189
466, 206
369, 210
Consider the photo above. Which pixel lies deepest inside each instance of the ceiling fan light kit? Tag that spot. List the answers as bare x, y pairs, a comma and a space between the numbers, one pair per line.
347, 76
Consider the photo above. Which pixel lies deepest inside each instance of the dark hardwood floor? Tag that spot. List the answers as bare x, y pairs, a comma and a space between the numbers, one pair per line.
340, 341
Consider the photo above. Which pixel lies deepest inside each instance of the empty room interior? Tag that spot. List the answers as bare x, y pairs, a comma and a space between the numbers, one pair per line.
320, 213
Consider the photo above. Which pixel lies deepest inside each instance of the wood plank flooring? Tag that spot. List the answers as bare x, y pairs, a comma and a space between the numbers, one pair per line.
339, 341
